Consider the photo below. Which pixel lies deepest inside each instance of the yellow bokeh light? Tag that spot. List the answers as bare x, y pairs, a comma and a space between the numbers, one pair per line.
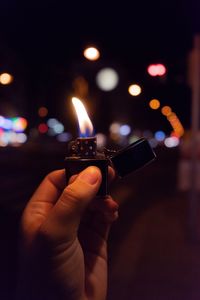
166, 110
91, 53
6, 78
134, 90
154, 104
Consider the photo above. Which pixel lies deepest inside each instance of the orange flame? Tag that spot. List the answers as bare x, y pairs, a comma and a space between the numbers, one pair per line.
85, 125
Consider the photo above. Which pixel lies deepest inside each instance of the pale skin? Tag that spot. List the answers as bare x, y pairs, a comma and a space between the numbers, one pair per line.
64, 239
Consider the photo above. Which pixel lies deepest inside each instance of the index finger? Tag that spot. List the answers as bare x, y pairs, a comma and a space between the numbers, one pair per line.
50, 188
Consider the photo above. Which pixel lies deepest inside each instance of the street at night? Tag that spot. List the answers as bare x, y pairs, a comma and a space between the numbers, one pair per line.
78, 76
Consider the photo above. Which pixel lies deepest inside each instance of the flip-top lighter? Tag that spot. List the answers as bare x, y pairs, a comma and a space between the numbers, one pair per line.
82, 153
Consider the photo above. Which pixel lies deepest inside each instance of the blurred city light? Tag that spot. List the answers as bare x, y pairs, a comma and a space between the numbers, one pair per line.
64, 137
42, 111
42, 128
156, 70
154, 104
115, 128
58, 128
176, 124
125, 129
21, 138
52, 122
134, 90
12, 138
160, 135
7, 124
166, 110
101, 140
171, 142
19, 124
107, 79
6, 78
91, 53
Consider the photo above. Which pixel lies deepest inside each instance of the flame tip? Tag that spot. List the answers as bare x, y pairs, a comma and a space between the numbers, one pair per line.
85, 125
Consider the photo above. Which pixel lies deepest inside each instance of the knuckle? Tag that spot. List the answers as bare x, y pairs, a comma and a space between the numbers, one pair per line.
70, 196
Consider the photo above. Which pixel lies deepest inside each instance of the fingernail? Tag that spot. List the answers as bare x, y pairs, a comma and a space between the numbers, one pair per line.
90, 175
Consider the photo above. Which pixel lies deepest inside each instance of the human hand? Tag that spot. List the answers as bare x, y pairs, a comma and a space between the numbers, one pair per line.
64, 233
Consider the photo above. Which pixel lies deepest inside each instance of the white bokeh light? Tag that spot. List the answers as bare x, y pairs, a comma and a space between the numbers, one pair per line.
125, 129
101, 140
171, 142
115, 128
91, 53
107, 79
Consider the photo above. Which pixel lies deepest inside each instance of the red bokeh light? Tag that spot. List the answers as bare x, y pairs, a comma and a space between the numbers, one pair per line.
42, 128
156, 70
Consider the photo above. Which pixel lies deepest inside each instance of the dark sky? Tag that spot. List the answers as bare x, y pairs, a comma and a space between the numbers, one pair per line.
43, 40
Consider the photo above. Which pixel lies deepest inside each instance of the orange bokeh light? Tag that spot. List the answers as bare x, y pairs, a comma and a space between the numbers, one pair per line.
6, 78
42, 111
154, 104
166, 110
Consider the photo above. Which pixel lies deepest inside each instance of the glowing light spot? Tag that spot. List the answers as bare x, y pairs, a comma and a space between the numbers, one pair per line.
7, 124
166, 110
172, 117
107, 79
91, 53
21, 138
114, 128
134, 90
52, 122
6, 78
125, 130
19, 124
42, 128
64, 137
58, 128
156, 70
42, 111
154, 104
160, 136
2, 119
101, 140
171, 142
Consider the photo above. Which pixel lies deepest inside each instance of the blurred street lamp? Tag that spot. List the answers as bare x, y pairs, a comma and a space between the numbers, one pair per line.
6, 78
154, 104
134, 90
91, 53
107, 79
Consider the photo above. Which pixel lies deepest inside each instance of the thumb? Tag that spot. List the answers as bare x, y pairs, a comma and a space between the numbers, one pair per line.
64, 218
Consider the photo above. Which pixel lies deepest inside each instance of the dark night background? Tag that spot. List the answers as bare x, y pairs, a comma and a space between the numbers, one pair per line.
152, 252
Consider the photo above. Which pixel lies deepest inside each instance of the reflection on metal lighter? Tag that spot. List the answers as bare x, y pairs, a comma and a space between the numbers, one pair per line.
83, 153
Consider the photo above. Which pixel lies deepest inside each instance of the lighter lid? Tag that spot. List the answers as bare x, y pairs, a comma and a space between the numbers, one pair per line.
133, 157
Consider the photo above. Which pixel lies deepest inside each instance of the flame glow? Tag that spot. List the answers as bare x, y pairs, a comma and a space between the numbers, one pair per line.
85, 125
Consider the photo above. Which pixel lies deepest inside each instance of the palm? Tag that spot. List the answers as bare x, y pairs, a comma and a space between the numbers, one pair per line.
78, 248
